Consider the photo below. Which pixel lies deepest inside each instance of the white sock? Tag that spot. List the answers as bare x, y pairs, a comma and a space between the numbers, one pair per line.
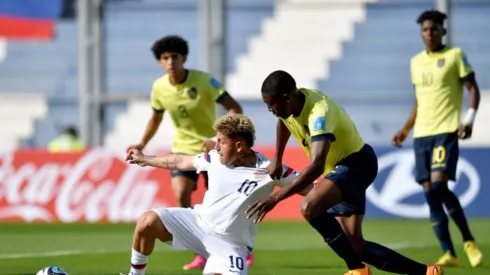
138, 263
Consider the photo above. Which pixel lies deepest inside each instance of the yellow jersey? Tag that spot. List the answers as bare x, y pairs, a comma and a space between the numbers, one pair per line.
321, 116
437, 78
192, 107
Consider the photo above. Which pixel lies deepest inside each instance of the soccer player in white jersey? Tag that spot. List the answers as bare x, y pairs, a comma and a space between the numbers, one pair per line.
218, 228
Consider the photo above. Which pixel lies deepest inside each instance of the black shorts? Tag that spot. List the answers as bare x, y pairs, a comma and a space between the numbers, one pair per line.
436, 153
191, 175
353, 175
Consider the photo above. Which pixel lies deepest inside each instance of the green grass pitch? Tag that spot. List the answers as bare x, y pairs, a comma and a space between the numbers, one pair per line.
282, 248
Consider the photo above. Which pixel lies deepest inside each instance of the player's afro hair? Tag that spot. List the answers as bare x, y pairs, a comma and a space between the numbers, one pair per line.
432, 15
278, 82
171, 43
236, 125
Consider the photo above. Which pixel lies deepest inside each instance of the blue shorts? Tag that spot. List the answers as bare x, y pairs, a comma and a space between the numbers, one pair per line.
436, 153
353, 175
191, 175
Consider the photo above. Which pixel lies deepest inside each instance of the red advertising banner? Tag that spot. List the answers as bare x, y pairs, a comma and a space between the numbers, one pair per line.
98, 186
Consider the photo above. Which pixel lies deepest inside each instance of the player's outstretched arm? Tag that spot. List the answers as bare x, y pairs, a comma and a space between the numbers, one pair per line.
318, 151
282, 136
474, 90
466, 128
401, 135
170, 162
151, 128
230, 104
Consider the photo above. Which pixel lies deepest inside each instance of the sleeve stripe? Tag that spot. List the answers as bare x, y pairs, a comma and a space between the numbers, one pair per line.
158, 111
207, 157
468, 76
222, 96
288, 172
329, 136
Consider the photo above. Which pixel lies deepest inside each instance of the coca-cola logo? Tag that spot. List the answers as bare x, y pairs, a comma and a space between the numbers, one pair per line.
398, 190
94, 186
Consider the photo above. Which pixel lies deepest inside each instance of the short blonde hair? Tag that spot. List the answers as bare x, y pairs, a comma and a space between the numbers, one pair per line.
236, 125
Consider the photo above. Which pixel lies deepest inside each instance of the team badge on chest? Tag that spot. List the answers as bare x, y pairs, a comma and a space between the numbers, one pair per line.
441, 62
192, 93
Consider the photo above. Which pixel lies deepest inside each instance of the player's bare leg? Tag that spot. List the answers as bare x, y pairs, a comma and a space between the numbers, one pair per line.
148, 228
182, 187
322, 196
379, 256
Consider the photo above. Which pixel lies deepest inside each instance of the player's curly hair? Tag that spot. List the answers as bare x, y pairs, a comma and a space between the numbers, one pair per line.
432, 15
278, 82
236, 125
171, 43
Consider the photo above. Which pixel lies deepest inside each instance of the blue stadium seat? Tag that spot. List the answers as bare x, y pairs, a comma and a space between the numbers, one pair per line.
375, 64
377, 60
131, 28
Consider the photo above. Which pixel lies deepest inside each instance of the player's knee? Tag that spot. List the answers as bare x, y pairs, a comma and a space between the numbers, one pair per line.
437, 176
147, 223
441, 189
309, 210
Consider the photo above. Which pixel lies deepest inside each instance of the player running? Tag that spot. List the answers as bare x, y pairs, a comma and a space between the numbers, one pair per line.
217, 228
438, 74
190, 97
336, 204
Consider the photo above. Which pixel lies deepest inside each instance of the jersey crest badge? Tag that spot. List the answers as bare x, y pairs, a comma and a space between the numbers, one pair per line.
192, 93
441, 62
260, 174
319, 124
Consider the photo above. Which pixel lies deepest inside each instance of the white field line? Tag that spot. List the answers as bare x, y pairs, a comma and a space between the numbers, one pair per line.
105, 251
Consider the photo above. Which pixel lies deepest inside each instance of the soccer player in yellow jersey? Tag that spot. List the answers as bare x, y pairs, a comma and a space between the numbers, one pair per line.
190, 97
346, 166
438, 74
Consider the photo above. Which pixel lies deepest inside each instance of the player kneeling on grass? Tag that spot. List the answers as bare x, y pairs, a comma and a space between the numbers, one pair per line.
218, 228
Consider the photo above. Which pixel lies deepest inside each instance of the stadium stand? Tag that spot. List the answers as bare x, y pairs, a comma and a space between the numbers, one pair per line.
244, 21
301, 38
18, 111
131, 27
358, 53
375, 64
378, 57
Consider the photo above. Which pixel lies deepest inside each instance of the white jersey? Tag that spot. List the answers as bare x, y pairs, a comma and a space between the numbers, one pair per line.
231, 190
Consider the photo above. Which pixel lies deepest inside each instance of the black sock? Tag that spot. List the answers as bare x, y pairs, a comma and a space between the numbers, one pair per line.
333, 234
457, 214
439, 220
388, 260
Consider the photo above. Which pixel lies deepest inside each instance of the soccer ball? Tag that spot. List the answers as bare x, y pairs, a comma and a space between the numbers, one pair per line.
52, 270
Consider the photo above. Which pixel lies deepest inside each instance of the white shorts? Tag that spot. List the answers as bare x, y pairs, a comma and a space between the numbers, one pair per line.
191, 233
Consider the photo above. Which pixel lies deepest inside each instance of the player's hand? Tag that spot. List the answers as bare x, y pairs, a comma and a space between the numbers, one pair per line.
208, 145
136, 157
399, 138
275, 169
135, 146
465, 131
261, 208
